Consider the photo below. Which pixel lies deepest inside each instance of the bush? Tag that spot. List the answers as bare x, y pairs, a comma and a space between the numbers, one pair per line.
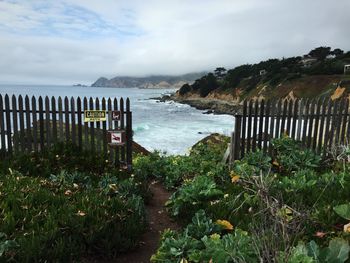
59, 219
206, 241
192, 196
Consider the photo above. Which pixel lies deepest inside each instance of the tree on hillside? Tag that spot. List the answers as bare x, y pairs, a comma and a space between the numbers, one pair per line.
184, 89
220, 72
337, 52
208, 83
320, 53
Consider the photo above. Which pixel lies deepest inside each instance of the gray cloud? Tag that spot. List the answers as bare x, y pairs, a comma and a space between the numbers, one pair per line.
158, 37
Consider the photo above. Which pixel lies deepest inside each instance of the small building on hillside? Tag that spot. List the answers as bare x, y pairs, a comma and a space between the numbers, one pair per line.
307, 61
262, 72
347, 69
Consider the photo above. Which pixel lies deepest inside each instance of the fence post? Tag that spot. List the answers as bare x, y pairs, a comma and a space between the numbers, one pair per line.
237, 137
128, 135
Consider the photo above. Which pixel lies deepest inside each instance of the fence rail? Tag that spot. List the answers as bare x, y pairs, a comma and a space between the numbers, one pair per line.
32, 124
318, 123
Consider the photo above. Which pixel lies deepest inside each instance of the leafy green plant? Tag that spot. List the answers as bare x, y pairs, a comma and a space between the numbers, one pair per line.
60, 220
236, 247
192, 196
6, 245
337, 251
291, 156
343, 210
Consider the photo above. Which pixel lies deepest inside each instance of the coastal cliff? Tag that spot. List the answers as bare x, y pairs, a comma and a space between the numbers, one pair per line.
157, 81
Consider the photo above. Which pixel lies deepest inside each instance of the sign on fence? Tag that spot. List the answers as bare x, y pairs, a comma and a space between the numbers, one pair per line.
116, 115
116, 138
94, 115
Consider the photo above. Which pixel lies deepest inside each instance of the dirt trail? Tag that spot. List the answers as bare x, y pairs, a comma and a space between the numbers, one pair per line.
158, 221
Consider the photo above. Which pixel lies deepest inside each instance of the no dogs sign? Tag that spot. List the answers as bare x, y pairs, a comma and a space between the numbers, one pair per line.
116, 138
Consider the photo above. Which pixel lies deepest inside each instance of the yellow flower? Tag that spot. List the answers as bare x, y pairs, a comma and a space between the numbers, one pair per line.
235, 179
225, 224
183, 260
347, 228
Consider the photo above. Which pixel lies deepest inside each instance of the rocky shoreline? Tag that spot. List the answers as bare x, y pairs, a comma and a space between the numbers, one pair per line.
215, 106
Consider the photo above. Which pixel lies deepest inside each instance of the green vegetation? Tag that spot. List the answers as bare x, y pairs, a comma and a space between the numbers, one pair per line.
270, 73
293, 207
63, 203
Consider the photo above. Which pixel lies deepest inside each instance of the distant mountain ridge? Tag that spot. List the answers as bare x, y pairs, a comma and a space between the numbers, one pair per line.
155, 81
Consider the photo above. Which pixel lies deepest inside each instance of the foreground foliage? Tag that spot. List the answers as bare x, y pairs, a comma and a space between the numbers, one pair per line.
293, 207
60, 211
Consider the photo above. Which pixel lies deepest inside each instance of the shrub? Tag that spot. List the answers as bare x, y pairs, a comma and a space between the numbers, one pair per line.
205, 241
192, 196
58, 219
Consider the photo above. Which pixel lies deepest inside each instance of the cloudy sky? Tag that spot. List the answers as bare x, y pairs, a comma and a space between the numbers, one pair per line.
77, 41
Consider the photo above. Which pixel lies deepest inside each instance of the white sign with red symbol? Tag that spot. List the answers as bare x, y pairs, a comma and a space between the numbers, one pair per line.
116, 137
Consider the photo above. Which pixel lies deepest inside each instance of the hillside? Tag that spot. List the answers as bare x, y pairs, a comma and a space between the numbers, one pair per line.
156, 81
318, 73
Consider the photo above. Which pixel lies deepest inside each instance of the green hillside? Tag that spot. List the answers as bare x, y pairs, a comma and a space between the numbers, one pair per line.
315, 74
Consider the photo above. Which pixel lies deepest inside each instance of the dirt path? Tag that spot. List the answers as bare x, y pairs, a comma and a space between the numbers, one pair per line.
158, 221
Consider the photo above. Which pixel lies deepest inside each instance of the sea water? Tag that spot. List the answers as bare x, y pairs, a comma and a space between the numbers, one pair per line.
165, 126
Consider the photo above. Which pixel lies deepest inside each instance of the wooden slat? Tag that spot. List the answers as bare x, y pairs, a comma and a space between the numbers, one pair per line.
92, 128
60, 119
317, 124
300, 119
15, 124
41, 123
104, 129
289, 117
8, 123
284, 117
47, 122
86, 126
66, 119
255, 125
306, 121
333, 126
311, 123
272, 124
21, 123
344, 121
237, 137
35, 125
321, 137
80, 130
28, 124
128, 134
261, 124
98, 128
266, 125
295, 118
116, 126
72, 108
2, 125
54, 120
110, 127
339, 118
244, 127
122, 126
249, 131
278, 118
327, 126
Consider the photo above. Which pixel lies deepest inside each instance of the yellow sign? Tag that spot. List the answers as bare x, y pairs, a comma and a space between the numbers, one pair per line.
94, 115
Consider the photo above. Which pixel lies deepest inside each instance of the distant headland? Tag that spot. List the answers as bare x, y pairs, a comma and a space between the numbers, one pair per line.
155, 81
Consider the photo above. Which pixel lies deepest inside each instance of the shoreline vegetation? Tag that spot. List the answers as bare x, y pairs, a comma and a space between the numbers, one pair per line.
320, 73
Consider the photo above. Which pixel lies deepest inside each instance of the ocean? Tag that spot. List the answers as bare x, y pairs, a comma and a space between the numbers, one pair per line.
167, 127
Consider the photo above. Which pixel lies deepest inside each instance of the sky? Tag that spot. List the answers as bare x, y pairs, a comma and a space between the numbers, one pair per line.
77, 41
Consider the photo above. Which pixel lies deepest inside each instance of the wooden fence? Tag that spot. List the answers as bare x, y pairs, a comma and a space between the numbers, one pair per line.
318, 124
31, 124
